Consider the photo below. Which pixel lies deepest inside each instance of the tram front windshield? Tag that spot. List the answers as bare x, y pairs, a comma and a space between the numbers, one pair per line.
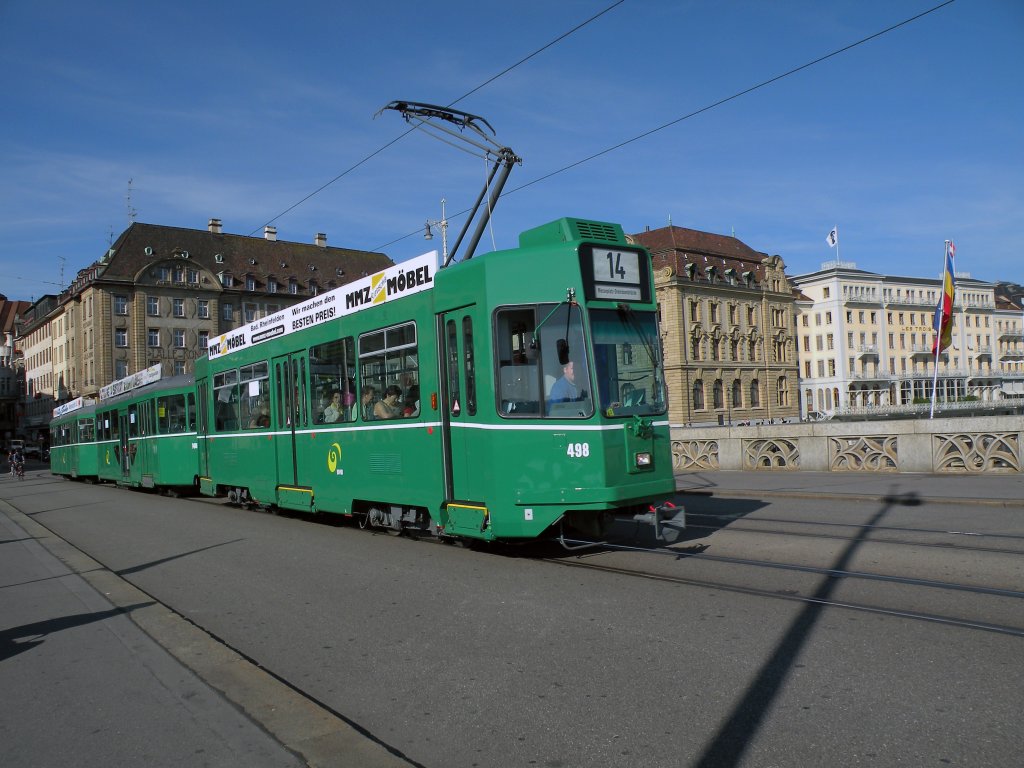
627, 362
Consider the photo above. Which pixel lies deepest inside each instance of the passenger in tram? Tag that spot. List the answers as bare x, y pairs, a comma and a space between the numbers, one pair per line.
564, 389
389, 407
412, 401
334, 410
260, 418
366, 403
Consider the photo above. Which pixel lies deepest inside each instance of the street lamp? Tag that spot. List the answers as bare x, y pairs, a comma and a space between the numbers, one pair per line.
443, 224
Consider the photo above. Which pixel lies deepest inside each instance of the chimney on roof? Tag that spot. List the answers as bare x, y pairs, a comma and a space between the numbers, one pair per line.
269, 233
320, 239
214, 226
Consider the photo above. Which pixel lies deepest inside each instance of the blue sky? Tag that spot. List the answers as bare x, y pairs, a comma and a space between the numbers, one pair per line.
238, 111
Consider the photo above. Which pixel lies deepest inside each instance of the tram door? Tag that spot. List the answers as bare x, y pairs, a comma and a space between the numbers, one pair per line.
466, 497
201, 419
127, 425
291, 398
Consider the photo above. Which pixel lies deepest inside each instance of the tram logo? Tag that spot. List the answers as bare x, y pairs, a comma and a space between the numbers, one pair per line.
333, 457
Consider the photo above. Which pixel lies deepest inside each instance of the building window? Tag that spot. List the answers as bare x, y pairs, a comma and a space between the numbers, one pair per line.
204, 339
165, 274
718, 394
120, 369
179, 307
153, 306
153, 337
737, 394
179, 338
272, 285
193, 275
179, 367
293, 287
227, 280
783, 398
204, 309
179, 274
227, 312
698, 395
120, 305
250, 283
755, 394
825, 292
249, 311
120, 337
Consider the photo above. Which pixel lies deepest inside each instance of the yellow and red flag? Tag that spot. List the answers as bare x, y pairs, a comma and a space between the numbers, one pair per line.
943, 322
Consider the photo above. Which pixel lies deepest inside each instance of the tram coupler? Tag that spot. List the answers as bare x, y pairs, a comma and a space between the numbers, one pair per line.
668, 520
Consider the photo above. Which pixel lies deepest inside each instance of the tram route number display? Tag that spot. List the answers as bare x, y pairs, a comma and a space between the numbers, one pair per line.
615, 274
403, 279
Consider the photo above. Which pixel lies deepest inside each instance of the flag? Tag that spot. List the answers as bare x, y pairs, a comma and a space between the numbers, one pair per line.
943, 322
833, 237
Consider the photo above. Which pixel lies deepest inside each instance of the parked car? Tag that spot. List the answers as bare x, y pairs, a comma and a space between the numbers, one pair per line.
33, 451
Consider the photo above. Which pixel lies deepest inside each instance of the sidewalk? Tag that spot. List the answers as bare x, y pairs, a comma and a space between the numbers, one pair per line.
85, 683
1005, 490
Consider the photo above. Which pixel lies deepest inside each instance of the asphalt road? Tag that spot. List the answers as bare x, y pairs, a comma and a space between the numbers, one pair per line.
719, 656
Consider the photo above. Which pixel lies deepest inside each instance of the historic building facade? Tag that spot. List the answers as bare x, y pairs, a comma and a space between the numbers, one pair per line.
727, 321
12, 367
160, 294
865, 341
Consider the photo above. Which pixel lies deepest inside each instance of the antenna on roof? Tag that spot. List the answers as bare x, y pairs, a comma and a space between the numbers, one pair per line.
60, 279
128, 201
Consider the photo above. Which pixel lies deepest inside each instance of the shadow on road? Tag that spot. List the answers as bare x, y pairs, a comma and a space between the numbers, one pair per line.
740, 728
20, 639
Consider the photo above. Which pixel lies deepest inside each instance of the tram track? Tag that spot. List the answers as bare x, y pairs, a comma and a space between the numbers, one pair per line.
736, 525
588, 562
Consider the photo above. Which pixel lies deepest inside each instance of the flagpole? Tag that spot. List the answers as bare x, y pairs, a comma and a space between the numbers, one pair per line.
938, 331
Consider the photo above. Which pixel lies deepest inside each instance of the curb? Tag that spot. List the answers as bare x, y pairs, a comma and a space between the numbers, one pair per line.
318, 736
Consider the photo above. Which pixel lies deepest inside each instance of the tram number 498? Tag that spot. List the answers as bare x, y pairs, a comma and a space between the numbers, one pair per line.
578, 450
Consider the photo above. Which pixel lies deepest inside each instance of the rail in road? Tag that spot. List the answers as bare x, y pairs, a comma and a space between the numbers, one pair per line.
768, 620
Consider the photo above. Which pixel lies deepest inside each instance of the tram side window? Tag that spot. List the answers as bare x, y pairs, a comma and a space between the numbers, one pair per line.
133, 421
170, 414
254, 386
191, 412
389, 368
533, 381
225, 401
86, 431
332, 373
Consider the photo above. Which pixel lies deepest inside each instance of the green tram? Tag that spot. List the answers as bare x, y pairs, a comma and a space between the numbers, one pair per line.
512, 396
73, 440
140, 434
146, 437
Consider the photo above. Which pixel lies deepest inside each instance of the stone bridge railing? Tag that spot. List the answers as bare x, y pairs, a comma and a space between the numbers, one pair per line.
950, 445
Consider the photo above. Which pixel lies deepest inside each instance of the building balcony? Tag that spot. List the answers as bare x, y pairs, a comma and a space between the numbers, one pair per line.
872, 376
868, 349
911, 302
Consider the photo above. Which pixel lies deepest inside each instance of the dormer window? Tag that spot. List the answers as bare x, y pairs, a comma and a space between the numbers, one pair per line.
690, 269
226, 279
250, 283
314, 289
293, 286
271, 285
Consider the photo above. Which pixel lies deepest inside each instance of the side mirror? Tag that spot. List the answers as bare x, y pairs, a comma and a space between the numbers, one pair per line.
563, 351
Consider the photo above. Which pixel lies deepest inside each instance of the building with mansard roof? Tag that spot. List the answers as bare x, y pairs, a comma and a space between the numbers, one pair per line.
159, 294
727, 321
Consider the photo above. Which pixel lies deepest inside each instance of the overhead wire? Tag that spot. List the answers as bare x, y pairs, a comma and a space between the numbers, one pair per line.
700, 111
467, 94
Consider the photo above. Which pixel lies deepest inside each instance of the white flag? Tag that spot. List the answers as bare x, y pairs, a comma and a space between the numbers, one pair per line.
833, 237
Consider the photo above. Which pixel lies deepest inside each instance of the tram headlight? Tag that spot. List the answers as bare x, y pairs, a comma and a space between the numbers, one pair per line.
643, 459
